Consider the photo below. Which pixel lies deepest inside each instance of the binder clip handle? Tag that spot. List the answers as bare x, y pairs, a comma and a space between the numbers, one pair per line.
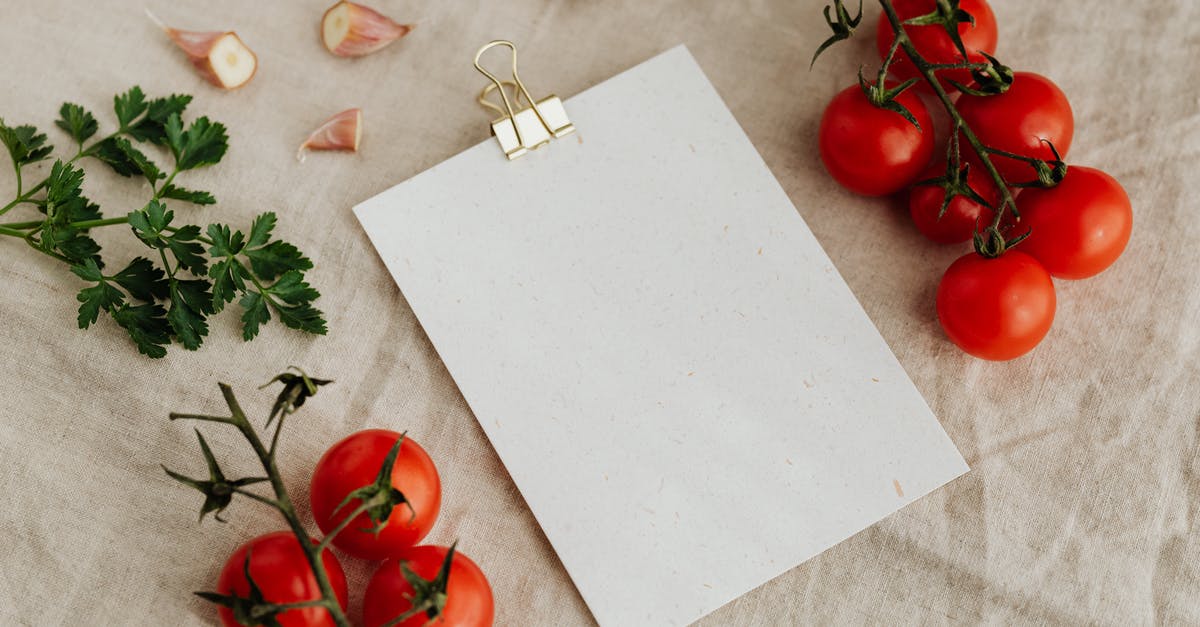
516, 130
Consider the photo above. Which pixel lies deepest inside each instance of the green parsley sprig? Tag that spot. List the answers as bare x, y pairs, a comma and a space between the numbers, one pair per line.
198, 271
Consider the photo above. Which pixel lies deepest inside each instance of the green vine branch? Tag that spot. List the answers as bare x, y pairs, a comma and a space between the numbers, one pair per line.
376, 500
991, 77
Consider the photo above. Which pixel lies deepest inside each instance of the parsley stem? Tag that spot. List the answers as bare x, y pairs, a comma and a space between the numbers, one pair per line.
4, 230
26, 197
82, 225
167, 183
167, 265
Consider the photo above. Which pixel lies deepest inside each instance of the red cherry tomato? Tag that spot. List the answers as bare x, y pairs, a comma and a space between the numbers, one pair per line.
1079, 227
355, 462
468, 595
932, 41
998, 308
874, 151
1017, 121
959, 222
281, 571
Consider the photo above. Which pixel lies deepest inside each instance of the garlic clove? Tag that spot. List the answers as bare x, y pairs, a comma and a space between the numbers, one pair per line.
353, 30
221, 58
343, 131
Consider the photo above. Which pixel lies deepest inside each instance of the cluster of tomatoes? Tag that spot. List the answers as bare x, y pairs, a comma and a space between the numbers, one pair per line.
282, 574
1000, 303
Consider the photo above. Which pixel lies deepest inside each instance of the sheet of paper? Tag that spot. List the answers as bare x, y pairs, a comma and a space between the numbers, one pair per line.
683, 388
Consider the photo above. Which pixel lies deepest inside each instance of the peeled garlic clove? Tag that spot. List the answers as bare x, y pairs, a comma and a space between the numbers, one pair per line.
220, 57
353, 30
340, 132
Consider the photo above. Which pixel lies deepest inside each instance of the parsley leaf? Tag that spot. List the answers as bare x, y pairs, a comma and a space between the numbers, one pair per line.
276, 258
76, 121
147, 327
24, 143
153, 127
291, 288
109, 152
296, 311
76, 246
203, 143
304, 317
143, 280
62, 186
255, 313
226, 242
260, 230
179, 193
229, 277
189, 300
188, 252
63, 205
101, 296
139, 160
129, 105
269, 260
150, 225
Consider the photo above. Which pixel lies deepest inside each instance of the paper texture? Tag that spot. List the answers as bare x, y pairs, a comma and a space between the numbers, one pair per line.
683, 388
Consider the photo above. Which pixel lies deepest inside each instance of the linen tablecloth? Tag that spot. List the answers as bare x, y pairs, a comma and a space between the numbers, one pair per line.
1083, 504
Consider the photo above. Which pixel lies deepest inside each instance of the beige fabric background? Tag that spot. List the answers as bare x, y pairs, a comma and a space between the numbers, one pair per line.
1084, 501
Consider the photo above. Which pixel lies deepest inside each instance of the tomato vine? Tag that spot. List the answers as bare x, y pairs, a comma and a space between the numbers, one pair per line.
990, 78
378, 500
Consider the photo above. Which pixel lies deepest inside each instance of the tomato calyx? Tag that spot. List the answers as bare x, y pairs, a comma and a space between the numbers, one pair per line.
217, 490
1049, 173
429, 595
954, 181
879, 95
948, 15
953, 184
296, 389
991, 242
843, 28
378, 499
991, 79
254, 609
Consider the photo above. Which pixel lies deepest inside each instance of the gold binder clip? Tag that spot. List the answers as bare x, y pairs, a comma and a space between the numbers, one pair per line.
522, 129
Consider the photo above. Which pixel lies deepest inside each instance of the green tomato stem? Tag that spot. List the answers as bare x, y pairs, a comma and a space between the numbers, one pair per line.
283, 503
927, 71
362, 507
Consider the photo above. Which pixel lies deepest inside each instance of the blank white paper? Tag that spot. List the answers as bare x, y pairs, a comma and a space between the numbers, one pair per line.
683, 388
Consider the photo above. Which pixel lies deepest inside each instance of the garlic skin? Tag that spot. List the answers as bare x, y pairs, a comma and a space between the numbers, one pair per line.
221, 58
353, 30
343, 131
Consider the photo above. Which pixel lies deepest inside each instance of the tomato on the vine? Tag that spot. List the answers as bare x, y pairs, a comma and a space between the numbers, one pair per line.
871, 150
467, 601
998, 308
355, 462
1033, 109
281, 571
1079, 227
962, 216
934, 43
